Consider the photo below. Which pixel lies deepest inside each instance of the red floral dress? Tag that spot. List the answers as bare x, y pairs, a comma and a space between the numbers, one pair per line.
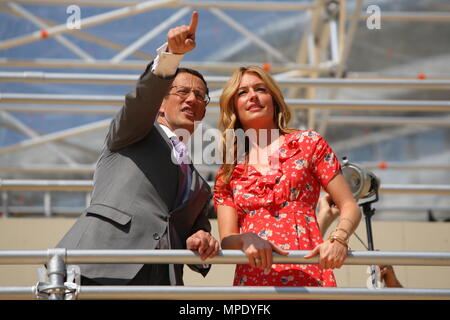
280, 205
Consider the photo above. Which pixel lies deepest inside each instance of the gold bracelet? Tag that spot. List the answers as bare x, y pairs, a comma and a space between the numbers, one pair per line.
341, 241
346, 232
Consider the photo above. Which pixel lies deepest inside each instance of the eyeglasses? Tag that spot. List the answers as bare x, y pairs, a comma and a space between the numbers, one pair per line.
183, 92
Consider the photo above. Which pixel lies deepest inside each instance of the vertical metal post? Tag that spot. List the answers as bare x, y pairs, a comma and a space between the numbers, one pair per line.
47, 204
5, 203
342, 25
314, 56
369, 233
88, 199
56, 270
334, 41
344, 53
368, 212
311, 91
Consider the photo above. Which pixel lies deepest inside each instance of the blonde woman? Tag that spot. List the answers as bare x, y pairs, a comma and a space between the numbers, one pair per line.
266, 195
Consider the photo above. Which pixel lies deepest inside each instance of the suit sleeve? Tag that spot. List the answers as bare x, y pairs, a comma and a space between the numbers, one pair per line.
138, 114
202, 222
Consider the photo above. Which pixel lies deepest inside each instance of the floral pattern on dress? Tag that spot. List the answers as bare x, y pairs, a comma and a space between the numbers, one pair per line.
280, 205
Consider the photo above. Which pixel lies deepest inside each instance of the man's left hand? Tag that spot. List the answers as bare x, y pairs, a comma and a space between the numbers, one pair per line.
206, 245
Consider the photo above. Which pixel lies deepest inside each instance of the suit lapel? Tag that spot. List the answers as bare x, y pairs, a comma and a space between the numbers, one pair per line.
196, 181
179, 171
169, 144
163, 135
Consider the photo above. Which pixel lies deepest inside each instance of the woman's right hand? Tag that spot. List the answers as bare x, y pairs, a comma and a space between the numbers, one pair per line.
259, 251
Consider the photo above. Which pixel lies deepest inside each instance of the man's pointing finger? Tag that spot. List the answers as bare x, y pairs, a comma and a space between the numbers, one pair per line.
194, 23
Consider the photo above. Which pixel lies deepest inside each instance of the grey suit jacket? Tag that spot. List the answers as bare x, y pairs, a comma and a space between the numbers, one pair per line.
136, 187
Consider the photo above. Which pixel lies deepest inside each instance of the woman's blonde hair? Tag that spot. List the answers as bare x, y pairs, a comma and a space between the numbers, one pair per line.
229, 119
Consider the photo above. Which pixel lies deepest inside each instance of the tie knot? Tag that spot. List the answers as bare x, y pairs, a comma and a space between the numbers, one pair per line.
180, 147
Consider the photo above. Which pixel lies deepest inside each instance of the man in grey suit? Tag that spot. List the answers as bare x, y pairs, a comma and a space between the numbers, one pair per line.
142, 197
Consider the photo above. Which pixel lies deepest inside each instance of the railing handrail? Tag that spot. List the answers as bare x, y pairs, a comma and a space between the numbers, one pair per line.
46, 185
237, 293
86, 185
56, 260
176, 256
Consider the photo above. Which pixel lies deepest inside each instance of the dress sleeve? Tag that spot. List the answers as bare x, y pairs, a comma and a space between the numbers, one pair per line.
223, 193
325, 164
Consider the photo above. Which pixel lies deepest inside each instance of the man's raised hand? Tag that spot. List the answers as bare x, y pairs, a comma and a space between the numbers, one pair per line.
182, 39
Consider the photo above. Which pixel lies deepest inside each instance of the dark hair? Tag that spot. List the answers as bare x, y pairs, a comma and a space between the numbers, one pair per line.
195, 73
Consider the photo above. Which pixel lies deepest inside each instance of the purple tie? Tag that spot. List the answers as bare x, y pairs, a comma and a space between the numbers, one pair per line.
181, 149
183, 160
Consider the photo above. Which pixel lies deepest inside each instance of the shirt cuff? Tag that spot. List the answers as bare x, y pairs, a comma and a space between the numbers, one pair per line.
166, 63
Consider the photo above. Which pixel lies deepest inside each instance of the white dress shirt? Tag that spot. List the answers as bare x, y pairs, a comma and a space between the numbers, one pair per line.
166, 63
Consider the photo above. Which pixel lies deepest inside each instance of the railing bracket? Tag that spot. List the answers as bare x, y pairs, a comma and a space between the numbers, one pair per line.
51, 284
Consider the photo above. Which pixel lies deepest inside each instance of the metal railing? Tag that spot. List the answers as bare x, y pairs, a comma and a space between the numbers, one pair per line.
86, 185
48, 186
58, 260
219, 81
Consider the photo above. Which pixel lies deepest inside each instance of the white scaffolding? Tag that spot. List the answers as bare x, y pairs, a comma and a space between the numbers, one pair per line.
319, 63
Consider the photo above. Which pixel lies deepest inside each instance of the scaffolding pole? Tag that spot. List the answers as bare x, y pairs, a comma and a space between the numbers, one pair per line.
150, 35
40, 24
86, 185
86, 22
249, 35
389, 121
219, 81
412, 16
231, 5
140, 65
60, 135
388, 105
